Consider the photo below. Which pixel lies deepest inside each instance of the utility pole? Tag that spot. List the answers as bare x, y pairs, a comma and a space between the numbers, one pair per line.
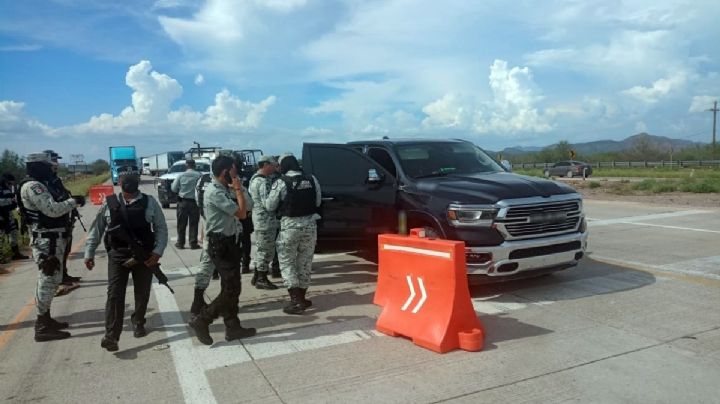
714, 110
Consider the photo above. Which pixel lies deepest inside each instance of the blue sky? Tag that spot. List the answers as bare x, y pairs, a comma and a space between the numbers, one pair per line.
80, 75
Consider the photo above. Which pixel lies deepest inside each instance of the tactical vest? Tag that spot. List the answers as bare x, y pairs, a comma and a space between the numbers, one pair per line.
139, 226
6, 193
300, 199
35, 216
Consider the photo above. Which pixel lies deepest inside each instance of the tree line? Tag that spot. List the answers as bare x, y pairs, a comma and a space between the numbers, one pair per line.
11, 162
642, 149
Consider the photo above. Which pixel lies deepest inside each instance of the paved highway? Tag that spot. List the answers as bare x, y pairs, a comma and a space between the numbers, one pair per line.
638, 321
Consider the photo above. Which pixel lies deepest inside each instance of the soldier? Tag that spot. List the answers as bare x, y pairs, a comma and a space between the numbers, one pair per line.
275, 266
265, 223
296, 197
139, 216
8, 224
47, 217
222, 215
187, 209
58, 190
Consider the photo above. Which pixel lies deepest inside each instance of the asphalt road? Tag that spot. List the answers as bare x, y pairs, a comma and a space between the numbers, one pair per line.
638, 321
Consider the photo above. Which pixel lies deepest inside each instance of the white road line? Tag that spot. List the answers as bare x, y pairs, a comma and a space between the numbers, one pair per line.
671, 227
190, 372
676, 268
634, 219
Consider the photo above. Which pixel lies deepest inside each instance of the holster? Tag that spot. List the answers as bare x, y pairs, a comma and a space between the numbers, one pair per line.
49, 264
223, 248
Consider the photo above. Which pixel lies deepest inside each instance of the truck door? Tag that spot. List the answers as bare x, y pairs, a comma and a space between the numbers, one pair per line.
358, 193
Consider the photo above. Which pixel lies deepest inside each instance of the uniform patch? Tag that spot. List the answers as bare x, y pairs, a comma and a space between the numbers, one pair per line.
38, 188
275, 184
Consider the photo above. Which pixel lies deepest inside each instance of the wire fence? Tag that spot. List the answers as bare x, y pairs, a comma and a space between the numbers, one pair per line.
633, 164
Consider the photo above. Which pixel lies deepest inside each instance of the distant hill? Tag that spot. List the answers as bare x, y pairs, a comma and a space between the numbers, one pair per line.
605, 146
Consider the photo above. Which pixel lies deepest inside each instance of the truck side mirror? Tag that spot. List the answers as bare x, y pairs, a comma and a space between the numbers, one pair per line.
506, 165
374, 178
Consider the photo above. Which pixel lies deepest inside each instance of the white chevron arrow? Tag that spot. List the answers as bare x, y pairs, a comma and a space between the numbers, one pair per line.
410, 298
422, 299
412, 293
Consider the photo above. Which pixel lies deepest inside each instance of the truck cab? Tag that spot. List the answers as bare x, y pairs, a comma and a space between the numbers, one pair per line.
121, 157
512, 225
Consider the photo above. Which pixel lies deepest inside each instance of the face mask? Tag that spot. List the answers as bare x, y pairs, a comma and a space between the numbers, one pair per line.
130, 185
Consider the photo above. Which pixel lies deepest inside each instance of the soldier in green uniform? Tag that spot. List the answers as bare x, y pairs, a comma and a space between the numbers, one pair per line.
222, 232
47, 218
188, 213
296, 197
265, 223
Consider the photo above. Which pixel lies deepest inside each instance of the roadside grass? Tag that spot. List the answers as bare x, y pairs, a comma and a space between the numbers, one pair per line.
656, 180
81, 186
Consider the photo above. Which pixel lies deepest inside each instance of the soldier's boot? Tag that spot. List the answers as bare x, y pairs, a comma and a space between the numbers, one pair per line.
44, 330
198, 303
202, 329
109, 343
295, 306
58, 325
305, 302
253, 281
17, 255
69, 280
233, 330
263, 282
139, 330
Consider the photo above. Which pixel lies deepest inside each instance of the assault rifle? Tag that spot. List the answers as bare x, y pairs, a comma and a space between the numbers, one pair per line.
139, 255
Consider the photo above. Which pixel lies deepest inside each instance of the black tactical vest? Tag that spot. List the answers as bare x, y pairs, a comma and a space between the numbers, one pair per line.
139, 226
36, 216
300, 199
6, 193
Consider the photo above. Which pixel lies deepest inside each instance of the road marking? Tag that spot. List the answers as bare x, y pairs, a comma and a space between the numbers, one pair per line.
422, 251
412, 293
671, 227
190, 372
634, 219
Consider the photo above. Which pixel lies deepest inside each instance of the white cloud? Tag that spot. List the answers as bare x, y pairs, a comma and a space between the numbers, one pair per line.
151, 113
14, 122
701, 103
199, 80
658, 89
512, 108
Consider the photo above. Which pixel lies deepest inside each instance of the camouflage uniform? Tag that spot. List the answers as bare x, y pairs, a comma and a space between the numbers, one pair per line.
35, 196
265, 222
298, 235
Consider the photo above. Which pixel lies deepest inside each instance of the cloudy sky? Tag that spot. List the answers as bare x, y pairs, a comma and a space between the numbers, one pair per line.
81, 75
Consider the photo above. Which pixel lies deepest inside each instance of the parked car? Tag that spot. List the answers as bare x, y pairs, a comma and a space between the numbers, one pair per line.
513, 225
570, 168
163, 183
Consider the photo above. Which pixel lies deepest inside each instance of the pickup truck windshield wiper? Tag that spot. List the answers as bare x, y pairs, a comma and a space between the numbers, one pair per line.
438, 173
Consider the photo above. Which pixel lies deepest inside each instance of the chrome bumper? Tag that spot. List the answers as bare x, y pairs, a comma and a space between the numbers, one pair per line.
501, 255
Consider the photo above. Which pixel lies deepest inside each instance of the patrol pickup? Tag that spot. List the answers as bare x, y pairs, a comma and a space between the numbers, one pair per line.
513, 225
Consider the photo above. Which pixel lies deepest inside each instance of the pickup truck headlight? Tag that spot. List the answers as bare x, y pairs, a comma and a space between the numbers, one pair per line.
474, 215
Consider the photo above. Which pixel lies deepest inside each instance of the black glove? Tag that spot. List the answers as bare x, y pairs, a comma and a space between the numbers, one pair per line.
80, 200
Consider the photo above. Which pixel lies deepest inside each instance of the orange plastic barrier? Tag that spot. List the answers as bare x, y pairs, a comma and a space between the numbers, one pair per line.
99, 192
423, 290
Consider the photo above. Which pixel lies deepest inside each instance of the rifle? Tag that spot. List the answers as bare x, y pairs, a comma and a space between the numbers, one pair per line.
76, 215
139, 255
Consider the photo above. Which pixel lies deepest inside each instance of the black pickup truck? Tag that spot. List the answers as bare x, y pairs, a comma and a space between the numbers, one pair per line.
513, 225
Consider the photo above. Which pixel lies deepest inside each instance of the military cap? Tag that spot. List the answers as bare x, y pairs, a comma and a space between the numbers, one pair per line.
286, 154
38, 158
53, 156
266, 158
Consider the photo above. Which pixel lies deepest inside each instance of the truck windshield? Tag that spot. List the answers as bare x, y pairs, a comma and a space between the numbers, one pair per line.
424, 160
124, 162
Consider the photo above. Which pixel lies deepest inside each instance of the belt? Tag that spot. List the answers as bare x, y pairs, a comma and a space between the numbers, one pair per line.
186, 199
50, 234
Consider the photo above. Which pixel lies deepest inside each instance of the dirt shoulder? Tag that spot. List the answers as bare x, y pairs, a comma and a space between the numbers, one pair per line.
684, 199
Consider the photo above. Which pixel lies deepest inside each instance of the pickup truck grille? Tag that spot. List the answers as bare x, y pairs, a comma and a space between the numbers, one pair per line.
545, 219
